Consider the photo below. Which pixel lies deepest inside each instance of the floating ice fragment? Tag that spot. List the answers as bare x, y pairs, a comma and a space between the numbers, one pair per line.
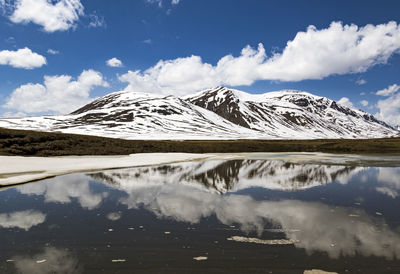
118, 261
200, 258
317, 271
260, 241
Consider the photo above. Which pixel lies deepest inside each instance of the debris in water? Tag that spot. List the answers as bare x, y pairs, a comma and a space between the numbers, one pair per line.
9, 261
260, 241
110, 230
40, 261
167, 232
378, 213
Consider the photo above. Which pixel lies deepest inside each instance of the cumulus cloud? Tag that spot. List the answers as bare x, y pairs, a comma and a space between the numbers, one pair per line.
51, 15
22, 219
58, 94
346, 102
66, 189
313, 54
114, 62
388, 91
389, 108
22, 58
364, 103
175, 2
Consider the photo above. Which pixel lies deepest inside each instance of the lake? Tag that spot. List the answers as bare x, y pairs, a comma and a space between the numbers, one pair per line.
246, 215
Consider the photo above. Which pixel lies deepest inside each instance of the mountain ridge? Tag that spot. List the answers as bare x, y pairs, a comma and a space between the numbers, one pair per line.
217, 113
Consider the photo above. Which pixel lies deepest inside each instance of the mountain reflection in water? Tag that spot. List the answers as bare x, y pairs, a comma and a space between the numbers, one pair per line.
339, 211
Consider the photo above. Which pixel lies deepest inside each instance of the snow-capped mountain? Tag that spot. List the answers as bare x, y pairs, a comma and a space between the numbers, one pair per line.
218, 113
131, 115
291, 114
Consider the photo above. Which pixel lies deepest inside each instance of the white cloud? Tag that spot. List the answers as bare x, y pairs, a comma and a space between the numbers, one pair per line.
175, 2
364, 103
389, 108
313, 54
114, 62
361, 82
22, 219
388, 91
346, 102
22, 58
179, 76
52, 51
51, 15
58, 94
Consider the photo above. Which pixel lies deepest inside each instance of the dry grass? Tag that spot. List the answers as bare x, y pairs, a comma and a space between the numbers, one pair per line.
34, 143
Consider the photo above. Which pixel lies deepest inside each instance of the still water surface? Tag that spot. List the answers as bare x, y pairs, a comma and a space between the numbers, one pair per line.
237, 216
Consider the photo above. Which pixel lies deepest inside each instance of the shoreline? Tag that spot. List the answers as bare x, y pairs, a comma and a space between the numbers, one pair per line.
17, 170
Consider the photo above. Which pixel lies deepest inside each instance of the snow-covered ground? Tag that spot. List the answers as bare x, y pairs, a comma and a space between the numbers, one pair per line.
15, 169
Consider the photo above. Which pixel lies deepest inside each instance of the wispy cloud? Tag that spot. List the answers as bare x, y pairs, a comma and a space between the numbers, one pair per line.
147, 41
361, 82
388, 91
96, 21
52, 51
159, 3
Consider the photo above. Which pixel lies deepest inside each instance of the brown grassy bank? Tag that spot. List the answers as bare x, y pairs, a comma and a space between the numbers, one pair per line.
34, 143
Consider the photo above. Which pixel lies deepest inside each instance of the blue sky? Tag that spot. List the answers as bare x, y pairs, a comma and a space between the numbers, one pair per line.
71, 50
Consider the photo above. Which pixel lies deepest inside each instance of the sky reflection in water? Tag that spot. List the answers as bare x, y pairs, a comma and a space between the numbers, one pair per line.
331, 212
